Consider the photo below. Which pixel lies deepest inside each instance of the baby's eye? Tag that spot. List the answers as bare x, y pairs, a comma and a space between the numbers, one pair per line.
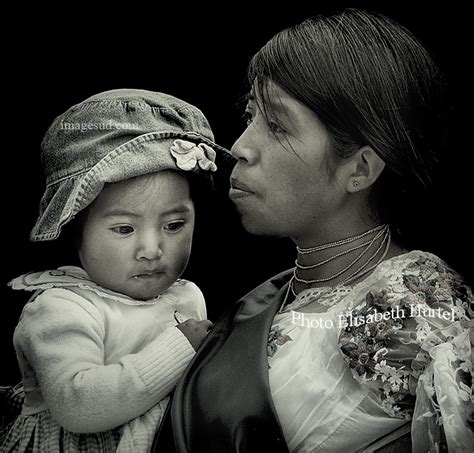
173, 227
123, 229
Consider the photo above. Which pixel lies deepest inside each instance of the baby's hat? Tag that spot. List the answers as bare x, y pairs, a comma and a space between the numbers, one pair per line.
112, 136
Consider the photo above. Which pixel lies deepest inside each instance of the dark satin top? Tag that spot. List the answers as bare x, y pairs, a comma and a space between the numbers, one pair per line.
223, 403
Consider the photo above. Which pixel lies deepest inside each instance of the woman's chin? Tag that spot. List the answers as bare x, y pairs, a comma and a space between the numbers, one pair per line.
257, 225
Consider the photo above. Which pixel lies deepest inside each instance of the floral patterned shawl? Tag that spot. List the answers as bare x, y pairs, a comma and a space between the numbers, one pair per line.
419, 361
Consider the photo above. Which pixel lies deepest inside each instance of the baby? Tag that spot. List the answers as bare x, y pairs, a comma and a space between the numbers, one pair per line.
101, 346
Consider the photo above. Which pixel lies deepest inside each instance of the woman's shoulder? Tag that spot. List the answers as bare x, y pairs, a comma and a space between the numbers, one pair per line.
414, 301
412, 317
419, 275
413, 292
426, 263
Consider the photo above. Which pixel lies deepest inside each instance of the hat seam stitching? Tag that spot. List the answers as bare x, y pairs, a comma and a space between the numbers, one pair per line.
84, 105
73, 175
124, 147
148, 137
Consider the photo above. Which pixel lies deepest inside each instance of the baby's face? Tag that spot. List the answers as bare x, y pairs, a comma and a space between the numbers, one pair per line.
137, 234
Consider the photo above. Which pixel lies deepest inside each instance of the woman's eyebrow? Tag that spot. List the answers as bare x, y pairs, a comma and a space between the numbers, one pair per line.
273, 105
277, 106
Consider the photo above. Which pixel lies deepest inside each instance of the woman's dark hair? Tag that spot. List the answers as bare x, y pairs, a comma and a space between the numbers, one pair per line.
370, 82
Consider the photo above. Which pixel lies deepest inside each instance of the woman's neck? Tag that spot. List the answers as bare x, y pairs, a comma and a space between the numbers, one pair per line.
341, 257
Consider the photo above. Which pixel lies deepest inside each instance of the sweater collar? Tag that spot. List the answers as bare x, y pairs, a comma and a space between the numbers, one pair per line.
76, 277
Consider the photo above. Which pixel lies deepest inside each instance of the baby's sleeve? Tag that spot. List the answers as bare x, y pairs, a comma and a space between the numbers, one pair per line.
409, 340
200, 302
192, 298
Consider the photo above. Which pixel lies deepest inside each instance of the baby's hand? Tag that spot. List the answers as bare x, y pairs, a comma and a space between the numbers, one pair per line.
195, 331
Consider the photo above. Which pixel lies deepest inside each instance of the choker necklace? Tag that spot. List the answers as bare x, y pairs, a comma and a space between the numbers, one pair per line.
385, 232
381, 232
329, 245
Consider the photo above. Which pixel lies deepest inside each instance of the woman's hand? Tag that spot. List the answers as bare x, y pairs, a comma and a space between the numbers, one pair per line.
195, 331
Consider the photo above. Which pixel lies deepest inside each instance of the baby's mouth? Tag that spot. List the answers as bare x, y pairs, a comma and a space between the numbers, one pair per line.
149, 275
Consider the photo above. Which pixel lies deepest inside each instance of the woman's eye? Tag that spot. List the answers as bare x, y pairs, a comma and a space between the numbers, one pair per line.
123, 230
275, 127
174, 226
247, 117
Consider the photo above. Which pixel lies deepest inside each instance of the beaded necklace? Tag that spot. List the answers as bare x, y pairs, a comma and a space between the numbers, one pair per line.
381, 232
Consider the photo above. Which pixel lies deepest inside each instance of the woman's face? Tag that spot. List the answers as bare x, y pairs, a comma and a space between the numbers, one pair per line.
281, 184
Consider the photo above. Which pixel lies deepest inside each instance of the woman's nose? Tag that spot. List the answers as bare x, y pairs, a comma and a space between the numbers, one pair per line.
150, 246
243, 149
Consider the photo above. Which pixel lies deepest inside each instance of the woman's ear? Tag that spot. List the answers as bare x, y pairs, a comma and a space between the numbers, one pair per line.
366, 168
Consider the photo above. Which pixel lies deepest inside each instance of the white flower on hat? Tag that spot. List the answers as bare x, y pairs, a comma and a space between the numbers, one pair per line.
188, 155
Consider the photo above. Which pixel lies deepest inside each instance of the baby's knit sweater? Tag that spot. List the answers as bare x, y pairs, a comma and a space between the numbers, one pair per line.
97, 359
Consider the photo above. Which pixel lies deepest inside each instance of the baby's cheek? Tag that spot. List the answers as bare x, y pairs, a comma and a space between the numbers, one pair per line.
181, 256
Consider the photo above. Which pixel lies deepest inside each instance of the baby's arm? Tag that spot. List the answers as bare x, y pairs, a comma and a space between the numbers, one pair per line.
61, 336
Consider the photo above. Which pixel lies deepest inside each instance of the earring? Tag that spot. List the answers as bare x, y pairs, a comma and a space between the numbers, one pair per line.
355, 183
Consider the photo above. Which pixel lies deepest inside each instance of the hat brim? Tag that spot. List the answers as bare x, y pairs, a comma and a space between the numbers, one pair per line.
145, 154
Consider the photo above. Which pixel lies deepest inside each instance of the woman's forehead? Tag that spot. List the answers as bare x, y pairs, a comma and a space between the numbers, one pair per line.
273, 99
278, 103
268, 91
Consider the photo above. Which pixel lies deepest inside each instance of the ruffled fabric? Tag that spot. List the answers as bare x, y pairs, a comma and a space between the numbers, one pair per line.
411, 338
72, 276
393, 349
190, 156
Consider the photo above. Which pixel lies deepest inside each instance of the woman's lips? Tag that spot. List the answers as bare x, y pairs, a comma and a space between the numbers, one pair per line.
239, 189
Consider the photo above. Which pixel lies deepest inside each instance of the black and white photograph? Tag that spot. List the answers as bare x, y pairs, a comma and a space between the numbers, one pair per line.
237, 228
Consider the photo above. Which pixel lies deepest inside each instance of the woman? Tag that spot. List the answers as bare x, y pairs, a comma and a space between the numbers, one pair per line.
363, 335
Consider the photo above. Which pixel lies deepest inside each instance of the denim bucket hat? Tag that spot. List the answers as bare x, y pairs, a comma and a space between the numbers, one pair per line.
112, 136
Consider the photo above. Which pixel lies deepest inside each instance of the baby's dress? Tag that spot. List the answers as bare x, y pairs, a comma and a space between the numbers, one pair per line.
97, 366
325, 405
